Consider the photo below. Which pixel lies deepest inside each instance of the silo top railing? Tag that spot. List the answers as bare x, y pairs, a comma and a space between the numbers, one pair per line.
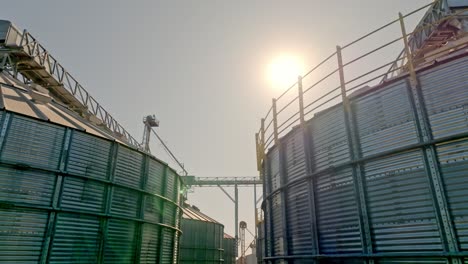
336, 79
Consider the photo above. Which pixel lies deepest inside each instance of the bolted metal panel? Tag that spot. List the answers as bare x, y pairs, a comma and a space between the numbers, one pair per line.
453, 157
328, 132
445, 93
124, 202
338, 219
129, 166
201, 242
274, 162
26, 187
277, 222
76, 239
384, 119
171, 182
155, 183
33, 142
149, 244
120, 242
83, 195
229, 254
300, 233
167, 246
22, 235
88, 156
295, 155
400, 204
414, 261
152, 207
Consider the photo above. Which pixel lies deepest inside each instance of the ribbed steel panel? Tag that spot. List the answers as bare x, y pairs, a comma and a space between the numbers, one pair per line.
295, 155
129, 166
33, 142
88, 156
274, 169
150, 244
338, 213
120, 246
201, 242
278, 238
66, 197
445, 92
384, 119
328, 133
400, 204
76, 240
82, 195
26, 187
453, 158
229, 253
22, 235
299, 221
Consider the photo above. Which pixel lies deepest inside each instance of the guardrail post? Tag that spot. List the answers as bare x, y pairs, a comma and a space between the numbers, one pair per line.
310, 168
275, 122
409, 57
358, 170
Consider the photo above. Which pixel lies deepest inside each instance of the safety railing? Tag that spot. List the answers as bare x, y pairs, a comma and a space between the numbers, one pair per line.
338, 78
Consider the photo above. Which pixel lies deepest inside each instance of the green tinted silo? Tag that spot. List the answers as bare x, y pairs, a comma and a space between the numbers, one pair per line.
229, 246
202, 238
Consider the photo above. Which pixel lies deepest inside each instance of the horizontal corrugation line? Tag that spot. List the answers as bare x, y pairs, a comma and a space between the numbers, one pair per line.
295, 155
26, 187
274, 169
120, 242
124, 202
154, 183
76, 239
167, 246
82, 195
453, 158
328, 133
129, 167
169, 214
152, 208
171, 185
33, 143
400, 204
22, 234
445, 92
268, 220
385, 120
149, 244
88, 156
299, 222
277, 222
337, 213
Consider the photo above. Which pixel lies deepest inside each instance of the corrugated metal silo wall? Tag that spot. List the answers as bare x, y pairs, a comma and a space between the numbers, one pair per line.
229, 246
260, 243
403, 199
70, 197
201, 242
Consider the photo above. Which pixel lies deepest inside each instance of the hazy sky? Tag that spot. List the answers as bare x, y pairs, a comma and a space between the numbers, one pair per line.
199, 66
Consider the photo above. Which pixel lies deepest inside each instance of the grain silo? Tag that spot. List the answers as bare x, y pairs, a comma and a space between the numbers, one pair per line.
378, 174
74, 186
202, 237
230, 247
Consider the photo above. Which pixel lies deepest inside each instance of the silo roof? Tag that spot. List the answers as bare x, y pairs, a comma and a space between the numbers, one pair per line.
193, 213
22, 99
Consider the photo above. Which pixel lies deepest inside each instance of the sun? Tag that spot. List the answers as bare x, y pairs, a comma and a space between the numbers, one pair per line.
283, 71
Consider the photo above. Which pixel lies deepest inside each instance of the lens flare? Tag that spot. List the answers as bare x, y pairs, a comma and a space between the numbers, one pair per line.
283, 71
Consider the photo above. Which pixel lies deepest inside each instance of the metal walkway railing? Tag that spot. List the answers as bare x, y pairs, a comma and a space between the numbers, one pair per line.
24, 57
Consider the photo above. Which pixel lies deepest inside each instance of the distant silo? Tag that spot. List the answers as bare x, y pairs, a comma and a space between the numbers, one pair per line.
72, 192
202, 238
229, 246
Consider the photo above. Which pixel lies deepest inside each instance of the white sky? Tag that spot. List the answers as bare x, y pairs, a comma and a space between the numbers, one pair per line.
198, 65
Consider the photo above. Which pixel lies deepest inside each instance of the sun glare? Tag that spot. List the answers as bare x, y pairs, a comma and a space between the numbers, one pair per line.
283, 71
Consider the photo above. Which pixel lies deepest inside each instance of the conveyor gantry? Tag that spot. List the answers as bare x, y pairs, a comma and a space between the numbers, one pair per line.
23, 56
